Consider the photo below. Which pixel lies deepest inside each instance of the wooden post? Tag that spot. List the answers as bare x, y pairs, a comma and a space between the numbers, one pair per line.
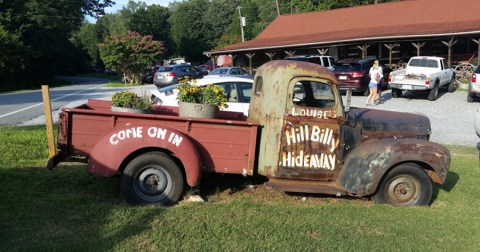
363, 48
290, 53
418, 46
250, 56
270, 55
390, 49
449, 44
47, 108
478, 50
322, 51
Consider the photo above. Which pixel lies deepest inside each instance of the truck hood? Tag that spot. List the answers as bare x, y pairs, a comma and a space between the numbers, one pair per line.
384, 123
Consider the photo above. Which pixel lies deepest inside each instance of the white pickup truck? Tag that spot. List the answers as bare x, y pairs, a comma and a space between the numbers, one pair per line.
423, 74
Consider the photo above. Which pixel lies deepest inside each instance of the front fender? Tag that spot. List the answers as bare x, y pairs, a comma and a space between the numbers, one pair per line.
365, 166
111, 150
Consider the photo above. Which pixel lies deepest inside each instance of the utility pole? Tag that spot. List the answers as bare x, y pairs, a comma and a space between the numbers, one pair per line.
242, 22
278, 8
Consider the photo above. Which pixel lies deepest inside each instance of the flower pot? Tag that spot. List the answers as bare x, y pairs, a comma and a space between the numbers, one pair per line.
131, 110
197, 110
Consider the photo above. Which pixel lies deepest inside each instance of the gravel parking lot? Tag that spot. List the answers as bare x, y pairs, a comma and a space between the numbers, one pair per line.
451, 115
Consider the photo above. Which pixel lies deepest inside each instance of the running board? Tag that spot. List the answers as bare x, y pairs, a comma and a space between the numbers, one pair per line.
305, 186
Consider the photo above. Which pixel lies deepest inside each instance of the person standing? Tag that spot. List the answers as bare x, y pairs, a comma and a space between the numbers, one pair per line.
380, 85
375, 75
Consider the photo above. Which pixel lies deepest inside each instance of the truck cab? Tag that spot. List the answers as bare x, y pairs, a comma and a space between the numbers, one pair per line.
311, 142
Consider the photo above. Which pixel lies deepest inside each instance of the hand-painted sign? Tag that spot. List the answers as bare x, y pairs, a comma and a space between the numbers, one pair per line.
151, 132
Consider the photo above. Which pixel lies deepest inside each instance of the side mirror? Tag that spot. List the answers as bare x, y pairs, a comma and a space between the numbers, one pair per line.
349, 100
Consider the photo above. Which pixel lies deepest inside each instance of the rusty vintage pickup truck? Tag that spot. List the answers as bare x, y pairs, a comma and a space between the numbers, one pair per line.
298, 134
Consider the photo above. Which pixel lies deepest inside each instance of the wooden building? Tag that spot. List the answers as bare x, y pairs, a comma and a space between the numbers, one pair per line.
392, 31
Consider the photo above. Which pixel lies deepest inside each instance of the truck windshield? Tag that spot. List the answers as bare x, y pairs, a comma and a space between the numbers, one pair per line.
313, 94
424, 63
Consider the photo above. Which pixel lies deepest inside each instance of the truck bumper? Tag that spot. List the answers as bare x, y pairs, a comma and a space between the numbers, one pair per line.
408, 87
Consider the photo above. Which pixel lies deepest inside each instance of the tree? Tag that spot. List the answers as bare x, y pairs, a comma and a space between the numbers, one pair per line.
130, 54
189, 31
44, 28
153, 20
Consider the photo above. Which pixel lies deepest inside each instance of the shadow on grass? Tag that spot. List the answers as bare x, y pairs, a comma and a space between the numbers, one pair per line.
66, 208
450, 182
216, 183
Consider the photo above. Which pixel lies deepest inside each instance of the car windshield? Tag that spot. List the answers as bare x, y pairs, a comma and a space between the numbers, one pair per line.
165, 69
346, 67
423, 63
219, 71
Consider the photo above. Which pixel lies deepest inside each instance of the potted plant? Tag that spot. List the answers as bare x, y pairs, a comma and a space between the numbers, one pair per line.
128, 101
200, 102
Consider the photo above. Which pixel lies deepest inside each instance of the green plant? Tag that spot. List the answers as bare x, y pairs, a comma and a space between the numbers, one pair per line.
189, 91
128, 99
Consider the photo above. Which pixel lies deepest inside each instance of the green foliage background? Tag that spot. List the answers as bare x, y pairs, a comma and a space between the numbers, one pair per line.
41, 38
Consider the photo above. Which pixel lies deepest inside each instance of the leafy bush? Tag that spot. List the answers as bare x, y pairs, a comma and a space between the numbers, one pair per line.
128, 99
189, 91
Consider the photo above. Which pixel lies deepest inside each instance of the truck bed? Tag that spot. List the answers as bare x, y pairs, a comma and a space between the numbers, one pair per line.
226, 144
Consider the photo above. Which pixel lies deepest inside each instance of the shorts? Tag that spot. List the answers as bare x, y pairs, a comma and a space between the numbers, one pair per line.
372, 85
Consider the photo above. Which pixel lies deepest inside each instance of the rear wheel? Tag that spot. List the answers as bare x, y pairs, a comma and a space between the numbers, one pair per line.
404, 186
152, 178
396, 92
433, 94
469, 97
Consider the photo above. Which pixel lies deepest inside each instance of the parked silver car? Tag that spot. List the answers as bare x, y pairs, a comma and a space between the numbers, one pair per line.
169, 75
474, 87
229, 71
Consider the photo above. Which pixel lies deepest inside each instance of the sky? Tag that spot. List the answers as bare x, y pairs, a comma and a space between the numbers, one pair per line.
120, 3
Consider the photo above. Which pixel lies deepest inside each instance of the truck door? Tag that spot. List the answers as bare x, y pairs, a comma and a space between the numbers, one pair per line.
311, 132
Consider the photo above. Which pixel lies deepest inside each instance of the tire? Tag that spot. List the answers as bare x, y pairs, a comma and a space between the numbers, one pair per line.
152, 178
433, 94
366, 92
396, 92
404, 186
469, 97
451, 85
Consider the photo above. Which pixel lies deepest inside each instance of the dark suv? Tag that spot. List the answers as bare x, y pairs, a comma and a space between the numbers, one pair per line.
169, 75
353, 73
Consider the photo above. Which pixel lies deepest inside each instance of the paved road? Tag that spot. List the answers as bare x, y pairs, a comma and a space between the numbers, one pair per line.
26, 107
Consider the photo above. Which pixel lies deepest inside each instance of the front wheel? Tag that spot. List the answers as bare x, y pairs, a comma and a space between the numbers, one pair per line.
152, 178
404, 186
451, 85
433, 94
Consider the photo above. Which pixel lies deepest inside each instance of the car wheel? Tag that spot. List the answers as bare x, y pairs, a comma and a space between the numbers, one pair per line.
433, 94
396, 92
404, 186
152, 178
469, 97
451, 85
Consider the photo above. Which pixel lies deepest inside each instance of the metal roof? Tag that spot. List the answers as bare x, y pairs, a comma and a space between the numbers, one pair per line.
410, 19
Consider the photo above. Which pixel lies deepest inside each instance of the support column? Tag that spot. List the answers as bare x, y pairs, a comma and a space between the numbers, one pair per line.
449, 44
233, 59
390, 49
418, 46
270, 55
322, 51
290, 53
478, 50
363, 48
250, 56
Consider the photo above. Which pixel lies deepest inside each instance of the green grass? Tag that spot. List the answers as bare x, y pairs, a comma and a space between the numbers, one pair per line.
69, 210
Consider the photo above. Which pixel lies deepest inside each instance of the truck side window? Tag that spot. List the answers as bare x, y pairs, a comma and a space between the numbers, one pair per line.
313, 94
258, 85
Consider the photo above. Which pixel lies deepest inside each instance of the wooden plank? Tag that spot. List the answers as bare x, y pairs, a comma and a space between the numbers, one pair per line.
47, 108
